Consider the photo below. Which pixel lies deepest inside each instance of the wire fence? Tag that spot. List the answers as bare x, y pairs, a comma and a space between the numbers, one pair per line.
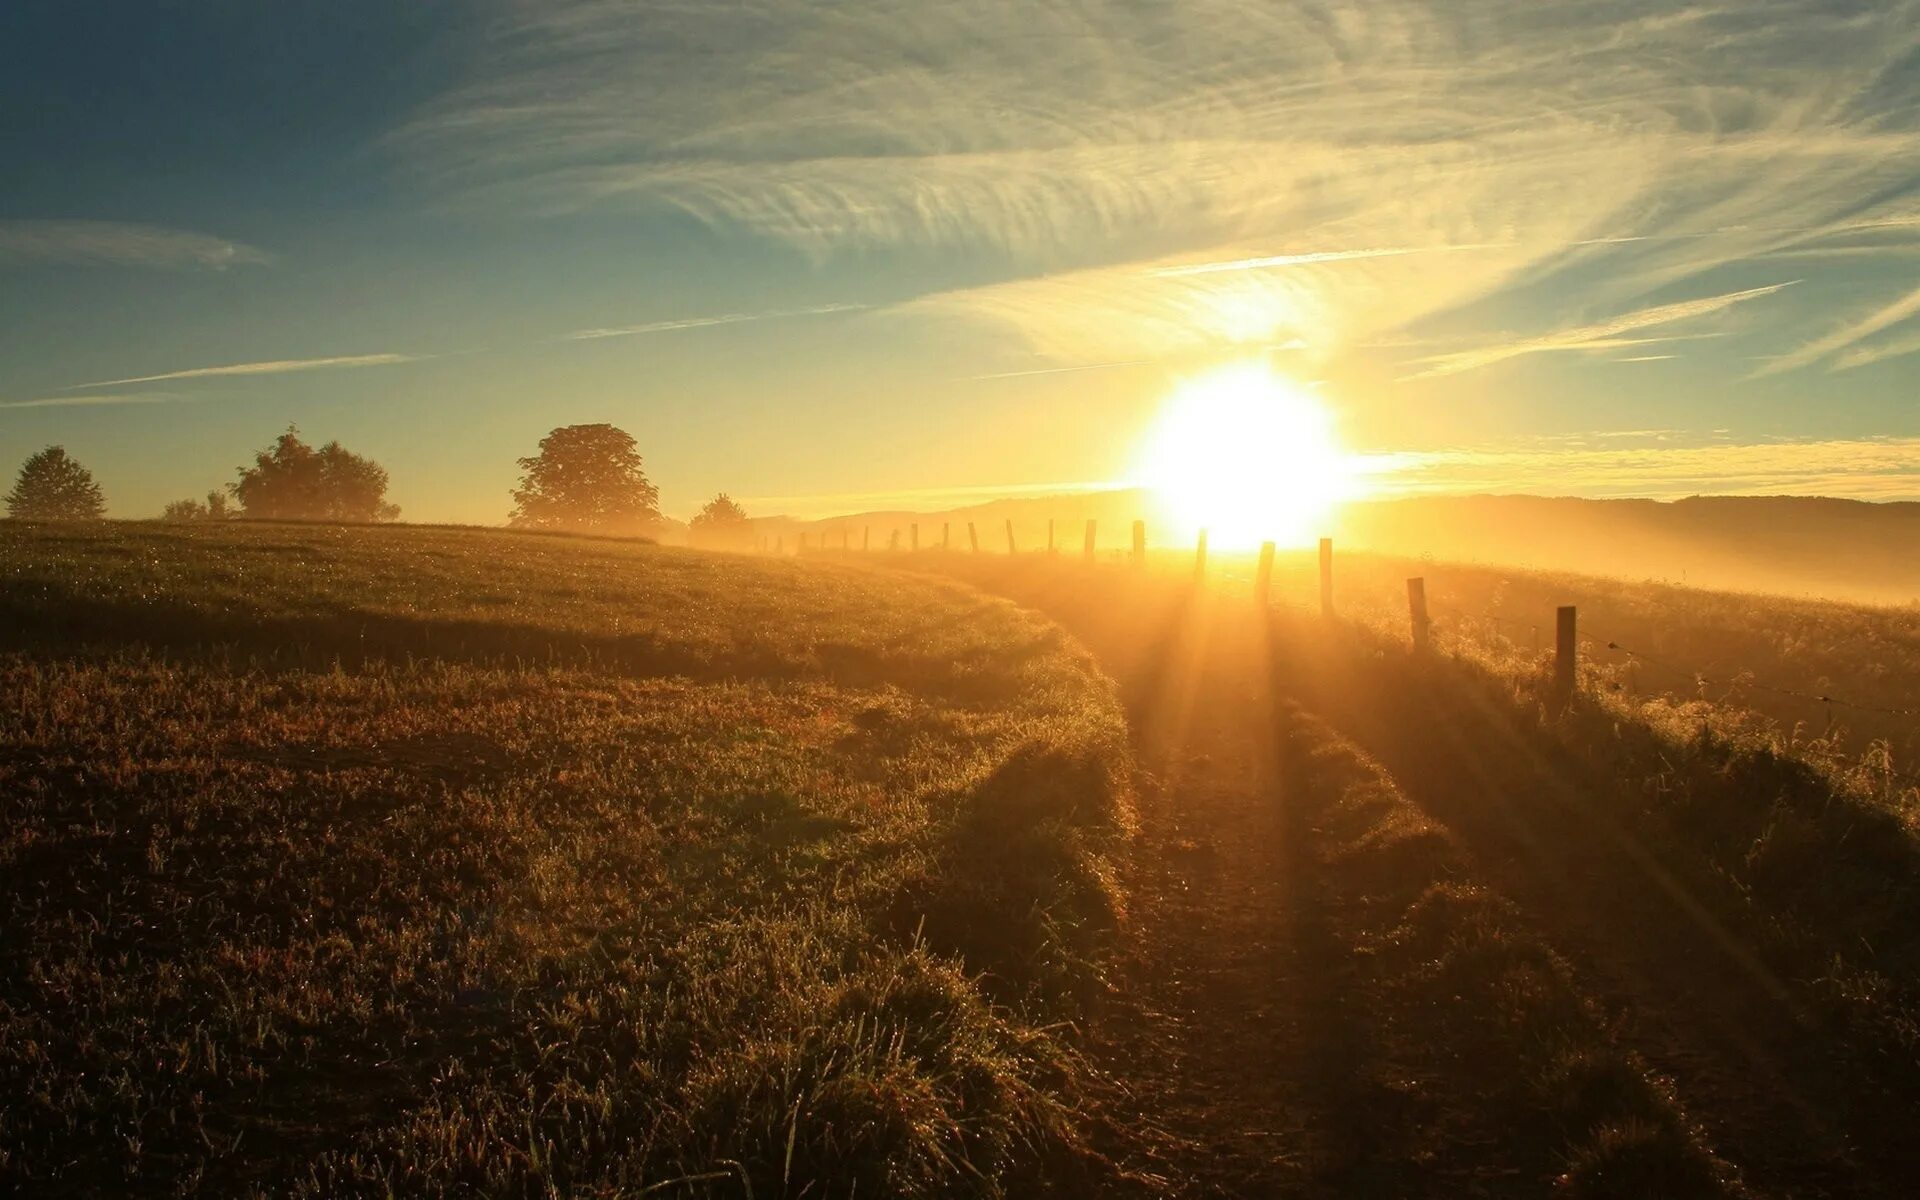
1224, 571
1734, 688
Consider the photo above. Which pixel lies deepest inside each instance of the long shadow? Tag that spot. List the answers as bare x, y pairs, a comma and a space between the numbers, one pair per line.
1650, 914
1273, 1086
1650, 919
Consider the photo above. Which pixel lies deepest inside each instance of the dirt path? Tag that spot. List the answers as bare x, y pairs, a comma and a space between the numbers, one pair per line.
1230, 1059
1216, 1001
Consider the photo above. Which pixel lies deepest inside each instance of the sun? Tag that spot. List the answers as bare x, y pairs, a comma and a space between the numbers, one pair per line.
1247, 455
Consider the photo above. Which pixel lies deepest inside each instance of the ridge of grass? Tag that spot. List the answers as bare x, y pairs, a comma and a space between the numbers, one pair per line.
1461, 997
1814, 859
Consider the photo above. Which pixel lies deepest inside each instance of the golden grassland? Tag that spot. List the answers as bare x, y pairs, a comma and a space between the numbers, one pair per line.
1767, 658
369, 861
1773, 885
1463, 1053
1487, 1011
416, 861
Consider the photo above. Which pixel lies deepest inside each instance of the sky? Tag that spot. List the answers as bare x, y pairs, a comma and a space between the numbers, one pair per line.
837, 254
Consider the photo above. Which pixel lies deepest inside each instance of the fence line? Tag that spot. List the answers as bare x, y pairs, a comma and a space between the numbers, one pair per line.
1744, 680
1421, 611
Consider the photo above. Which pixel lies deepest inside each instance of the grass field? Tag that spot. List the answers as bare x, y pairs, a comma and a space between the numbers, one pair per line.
370, 861
446, 862
1770, 657
1682, 940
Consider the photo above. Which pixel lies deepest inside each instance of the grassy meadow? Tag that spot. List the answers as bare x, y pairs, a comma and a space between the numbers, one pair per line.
1757, 893
369, 861
1772, 658
411, 861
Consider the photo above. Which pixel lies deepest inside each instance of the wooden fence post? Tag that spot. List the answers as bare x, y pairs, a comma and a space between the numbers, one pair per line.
916, 537
866, 538
1326, 577
1139, 543
1090, 531
1565, 648
1263, 578
1009, 535
946, 535
973, 537
1417, 611
1200, 558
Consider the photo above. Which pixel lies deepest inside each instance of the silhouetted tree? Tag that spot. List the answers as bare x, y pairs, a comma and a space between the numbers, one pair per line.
720, 511
53, 487
214, 509
722, 523
292, 480
586, 477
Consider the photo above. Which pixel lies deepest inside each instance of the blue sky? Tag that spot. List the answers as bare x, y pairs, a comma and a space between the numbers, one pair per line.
833, 255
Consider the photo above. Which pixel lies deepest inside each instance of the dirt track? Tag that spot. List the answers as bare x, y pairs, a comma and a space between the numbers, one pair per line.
1236, 1056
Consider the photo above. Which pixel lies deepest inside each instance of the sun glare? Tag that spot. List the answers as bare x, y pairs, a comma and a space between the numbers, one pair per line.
1247, 455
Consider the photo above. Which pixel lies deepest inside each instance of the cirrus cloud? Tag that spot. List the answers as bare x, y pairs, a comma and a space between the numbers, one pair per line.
273, 367
115, 243
1328, 171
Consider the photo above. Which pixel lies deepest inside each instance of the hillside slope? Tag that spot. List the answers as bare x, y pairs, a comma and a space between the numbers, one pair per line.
371, 861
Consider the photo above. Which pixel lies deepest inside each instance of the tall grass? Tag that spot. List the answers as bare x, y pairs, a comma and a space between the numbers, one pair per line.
1770, 656
1791, 881
1468, 1001
386, 861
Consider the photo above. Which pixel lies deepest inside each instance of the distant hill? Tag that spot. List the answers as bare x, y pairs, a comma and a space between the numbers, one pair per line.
1797, 545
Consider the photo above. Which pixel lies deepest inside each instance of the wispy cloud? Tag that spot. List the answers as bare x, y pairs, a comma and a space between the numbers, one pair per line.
1103, 366
1605, 335
1862, 356
1862, 468
1881, 319
119, 244
674, 326
1317, 256
275, 367
97, 400
1154, 163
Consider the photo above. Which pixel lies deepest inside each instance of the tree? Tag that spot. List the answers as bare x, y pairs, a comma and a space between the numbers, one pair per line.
586, 477
53, 487
215, 509
291, 480
721, 524
721, 511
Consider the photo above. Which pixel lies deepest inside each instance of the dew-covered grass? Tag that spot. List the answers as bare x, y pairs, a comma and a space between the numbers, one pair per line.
387, 860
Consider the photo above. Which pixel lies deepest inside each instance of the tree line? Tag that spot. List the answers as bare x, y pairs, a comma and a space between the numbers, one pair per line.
584, 478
